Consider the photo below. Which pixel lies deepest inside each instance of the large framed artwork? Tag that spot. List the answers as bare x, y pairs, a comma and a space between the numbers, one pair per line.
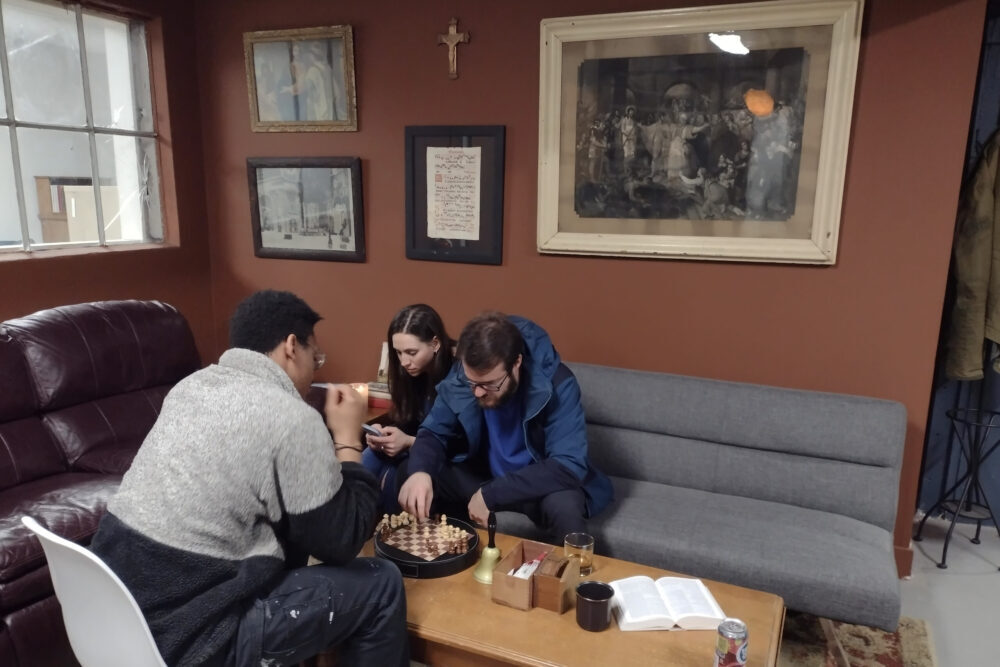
454, 193
714, 133
307, 208
301, 80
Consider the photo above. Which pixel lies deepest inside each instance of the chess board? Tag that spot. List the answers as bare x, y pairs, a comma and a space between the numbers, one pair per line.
414, 540
409, 550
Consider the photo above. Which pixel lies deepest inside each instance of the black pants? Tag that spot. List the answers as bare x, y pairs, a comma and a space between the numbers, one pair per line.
360, 607
557, 513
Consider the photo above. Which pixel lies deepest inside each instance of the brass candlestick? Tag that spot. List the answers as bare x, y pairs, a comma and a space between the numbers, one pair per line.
491, 555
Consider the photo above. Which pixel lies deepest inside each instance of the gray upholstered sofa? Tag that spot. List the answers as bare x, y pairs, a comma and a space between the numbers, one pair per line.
788, 491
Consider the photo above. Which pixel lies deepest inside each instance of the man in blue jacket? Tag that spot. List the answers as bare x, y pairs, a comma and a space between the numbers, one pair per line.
506, 432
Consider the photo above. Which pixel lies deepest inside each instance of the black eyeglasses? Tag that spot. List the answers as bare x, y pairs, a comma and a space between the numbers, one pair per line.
488, 386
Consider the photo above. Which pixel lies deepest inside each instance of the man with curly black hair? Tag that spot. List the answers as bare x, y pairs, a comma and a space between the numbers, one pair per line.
237, 478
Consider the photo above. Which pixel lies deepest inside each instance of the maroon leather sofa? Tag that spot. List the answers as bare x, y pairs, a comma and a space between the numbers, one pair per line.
80, 386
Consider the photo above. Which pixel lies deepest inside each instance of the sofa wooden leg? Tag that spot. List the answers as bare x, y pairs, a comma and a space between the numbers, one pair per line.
833, 645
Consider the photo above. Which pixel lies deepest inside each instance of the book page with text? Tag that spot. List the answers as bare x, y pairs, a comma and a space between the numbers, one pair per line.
688, 597
639, 599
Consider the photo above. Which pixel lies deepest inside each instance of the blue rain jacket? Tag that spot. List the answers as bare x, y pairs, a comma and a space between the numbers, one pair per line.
553, 422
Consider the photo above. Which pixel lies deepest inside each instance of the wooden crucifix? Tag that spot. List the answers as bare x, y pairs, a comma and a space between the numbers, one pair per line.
453, 39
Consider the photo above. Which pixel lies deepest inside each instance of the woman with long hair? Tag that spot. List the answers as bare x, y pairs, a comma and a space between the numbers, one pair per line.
422, 355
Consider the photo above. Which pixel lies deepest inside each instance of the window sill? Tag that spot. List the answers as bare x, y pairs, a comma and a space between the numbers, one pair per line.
20, 255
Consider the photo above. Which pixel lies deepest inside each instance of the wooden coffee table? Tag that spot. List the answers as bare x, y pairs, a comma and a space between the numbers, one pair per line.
454, 622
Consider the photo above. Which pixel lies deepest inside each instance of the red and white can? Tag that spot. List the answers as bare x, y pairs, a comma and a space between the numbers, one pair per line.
731, 645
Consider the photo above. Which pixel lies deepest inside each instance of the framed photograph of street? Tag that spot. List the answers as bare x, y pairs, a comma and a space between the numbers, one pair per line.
454, 193
715, 133
301, 80
307, 208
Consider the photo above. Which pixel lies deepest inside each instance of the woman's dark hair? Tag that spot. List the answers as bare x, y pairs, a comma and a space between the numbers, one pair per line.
411, 396
487, 340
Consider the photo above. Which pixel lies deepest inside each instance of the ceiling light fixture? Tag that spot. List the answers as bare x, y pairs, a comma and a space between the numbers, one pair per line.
730, 43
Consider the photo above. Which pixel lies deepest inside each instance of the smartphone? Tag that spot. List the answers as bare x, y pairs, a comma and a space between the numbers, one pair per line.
368, 428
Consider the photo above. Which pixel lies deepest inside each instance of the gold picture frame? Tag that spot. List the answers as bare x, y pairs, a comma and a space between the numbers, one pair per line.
713, 133
301, 80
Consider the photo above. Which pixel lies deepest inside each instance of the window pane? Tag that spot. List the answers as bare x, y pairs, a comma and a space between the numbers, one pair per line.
10, 221
58, 186
119, 73
127, 176
44, 57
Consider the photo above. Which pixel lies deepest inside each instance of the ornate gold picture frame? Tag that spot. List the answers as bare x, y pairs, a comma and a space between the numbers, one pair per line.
301, 80
699, 133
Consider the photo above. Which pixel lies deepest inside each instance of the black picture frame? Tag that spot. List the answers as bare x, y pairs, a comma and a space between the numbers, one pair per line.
307, 208
488, 248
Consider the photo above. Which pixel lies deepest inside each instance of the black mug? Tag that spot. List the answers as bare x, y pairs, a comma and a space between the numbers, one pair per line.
593, 605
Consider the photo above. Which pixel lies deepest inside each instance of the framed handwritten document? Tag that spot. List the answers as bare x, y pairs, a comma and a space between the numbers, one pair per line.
454, 193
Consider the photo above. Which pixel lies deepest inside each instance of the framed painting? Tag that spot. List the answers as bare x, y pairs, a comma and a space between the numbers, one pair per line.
301, 80
307, 208
454, 193
716, 133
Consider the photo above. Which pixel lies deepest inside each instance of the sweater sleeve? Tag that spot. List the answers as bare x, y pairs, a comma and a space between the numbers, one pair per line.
429, 451
335, 531
328, 508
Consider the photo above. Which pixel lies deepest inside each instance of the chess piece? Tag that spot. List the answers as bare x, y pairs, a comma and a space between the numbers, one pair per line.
491, 555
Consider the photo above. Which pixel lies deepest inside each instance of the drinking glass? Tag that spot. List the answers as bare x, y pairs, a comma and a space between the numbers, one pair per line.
580, 545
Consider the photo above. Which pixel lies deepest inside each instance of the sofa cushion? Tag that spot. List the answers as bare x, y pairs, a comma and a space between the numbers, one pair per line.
103, 435
17, 399
37, 636
25, 590
822, 563
820, 483
87, 351
761, 442
68, 504
27, 452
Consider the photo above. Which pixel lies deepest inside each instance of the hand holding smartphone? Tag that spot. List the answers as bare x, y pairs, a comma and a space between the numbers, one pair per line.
368, 428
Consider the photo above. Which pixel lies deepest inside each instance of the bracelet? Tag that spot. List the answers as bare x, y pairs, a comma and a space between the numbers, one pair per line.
337, 447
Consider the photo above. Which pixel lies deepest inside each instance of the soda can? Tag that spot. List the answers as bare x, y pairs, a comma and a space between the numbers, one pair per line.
731, 645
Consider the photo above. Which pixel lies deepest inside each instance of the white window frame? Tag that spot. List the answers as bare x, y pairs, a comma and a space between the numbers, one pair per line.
89, 129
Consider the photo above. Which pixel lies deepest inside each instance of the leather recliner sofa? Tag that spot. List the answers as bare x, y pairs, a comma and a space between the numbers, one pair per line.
80, 387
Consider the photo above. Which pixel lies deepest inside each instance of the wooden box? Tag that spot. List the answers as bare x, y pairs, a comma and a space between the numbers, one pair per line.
554, 582
508, 589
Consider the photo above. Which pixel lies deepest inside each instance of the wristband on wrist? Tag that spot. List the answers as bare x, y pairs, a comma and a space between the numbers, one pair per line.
337, 447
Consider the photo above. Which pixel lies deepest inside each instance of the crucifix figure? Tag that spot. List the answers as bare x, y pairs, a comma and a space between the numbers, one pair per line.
453, 39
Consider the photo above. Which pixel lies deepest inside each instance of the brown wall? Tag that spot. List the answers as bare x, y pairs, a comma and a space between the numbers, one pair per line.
868, 325
177, 275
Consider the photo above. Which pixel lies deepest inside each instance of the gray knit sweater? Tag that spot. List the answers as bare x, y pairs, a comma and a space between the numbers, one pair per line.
237, 472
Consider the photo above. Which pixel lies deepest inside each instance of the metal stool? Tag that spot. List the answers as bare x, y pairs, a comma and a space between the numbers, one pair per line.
974, 429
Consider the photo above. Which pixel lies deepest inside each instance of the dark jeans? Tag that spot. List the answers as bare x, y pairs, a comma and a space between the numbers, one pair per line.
557, 513
360, 607
384, 469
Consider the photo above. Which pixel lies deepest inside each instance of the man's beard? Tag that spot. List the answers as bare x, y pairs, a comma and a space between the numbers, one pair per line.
501, 400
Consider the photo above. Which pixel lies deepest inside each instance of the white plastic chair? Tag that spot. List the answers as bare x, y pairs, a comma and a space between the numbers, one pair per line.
106, 628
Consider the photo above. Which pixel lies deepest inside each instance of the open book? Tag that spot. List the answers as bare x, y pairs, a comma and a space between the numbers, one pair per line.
668, 603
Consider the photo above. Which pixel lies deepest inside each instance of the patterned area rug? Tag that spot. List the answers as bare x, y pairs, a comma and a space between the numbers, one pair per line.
803, 644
